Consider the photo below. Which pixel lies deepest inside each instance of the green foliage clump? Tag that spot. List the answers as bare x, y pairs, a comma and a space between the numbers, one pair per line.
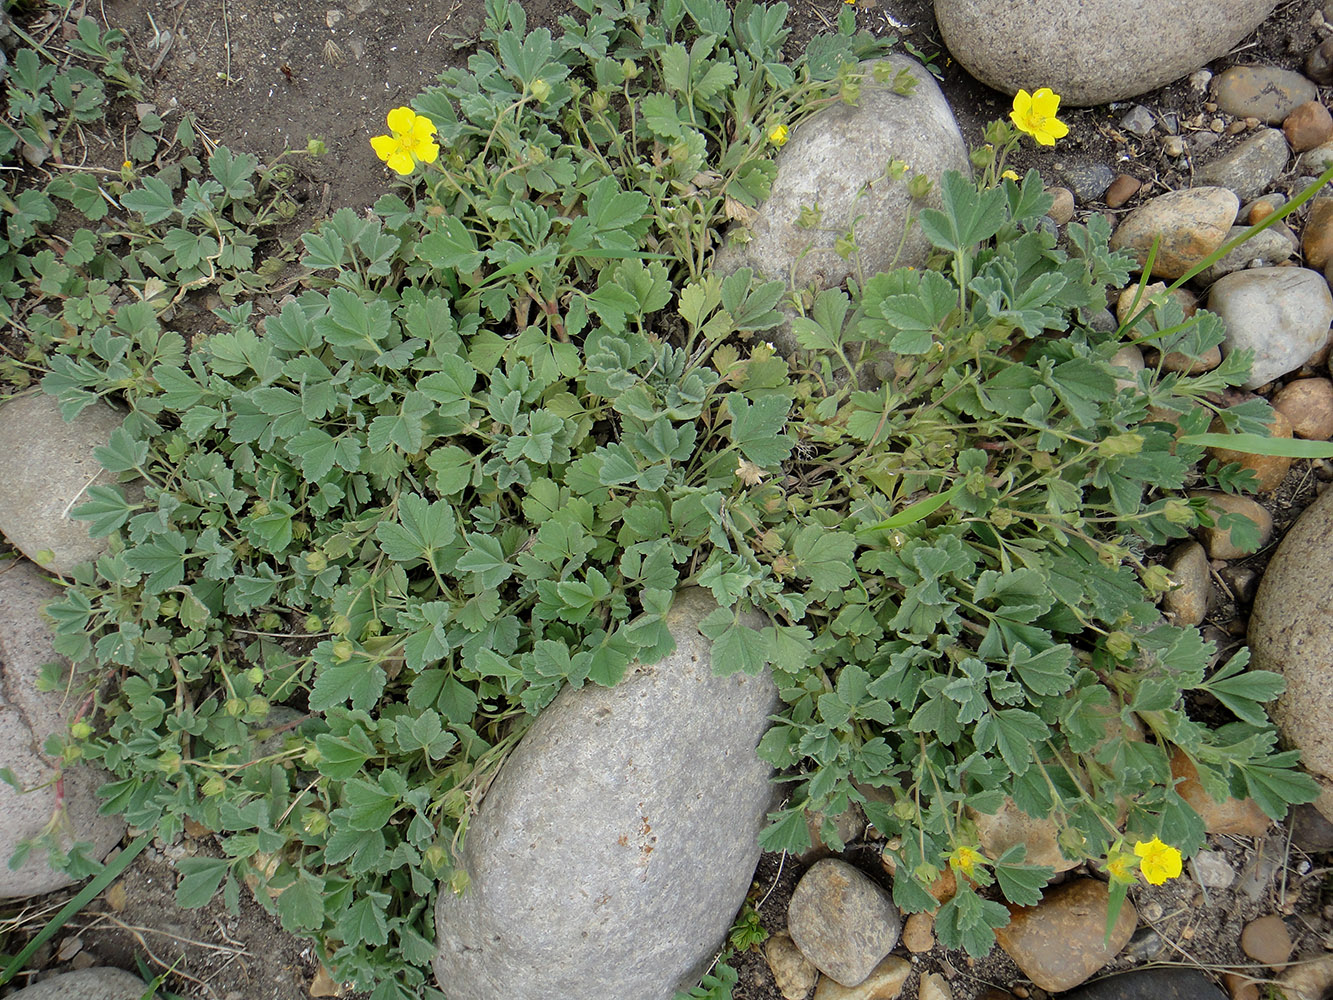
511, 414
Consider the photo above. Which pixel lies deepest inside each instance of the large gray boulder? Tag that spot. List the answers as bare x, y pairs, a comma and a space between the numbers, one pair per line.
1092, 51
102, 983
1291, 632
27, 718
837, 161
48, 466
611, 854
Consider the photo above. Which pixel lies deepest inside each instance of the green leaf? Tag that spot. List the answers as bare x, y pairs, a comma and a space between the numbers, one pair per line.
736, 647
1014, 731
1020, 883
121, 453
301, 904
358, 681
199, 880
825, 557
969, 216
341, 757
967, 921
788, 832
364, 920
449, 244
423, 529
758, 429
153, 201
162, 560
486, 559
233, 171
106, 510
369, 806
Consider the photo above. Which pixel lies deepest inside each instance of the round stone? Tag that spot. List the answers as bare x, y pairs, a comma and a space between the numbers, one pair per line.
1280, 313
842, 921
1187, 225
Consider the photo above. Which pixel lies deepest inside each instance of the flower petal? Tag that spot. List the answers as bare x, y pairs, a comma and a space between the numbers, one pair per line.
402, 162
1022, 103
1056, 129
425, 150
1043, 137
1046, 102
384, 146
422, 128
401, 120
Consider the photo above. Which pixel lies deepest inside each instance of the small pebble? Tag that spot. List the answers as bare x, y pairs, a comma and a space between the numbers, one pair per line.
1121, 190
1088, 181
1173, 146
1062, 207
1138, 120
1264, 92
1262, 208
1319, 63
1310, 125
1212, 869
919, 933
1267, 940
1308, 404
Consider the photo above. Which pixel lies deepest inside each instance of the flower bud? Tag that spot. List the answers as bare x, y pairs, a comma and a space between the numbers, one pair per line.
214, 786
919, 186
257, 705
343, 650
269, 621
314, 623
255, 675
1157, 580
314, 822
630, 69
599, 101
80, 730
1120, 645
540, 90
341, 625
1178, 512
235, 707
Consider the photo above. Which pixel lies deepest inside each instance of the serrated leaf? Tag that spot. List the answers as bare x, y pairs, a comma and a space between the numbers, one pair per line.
153, 201
199, 880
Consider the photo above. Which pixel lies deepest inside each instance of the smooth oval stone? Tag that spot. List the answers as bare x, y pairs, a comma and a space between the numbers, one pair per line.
49, 466
842, 921
836, 160
1092, 51
1281, 313
1291, 632
1062, 940
1187, 602
1263, 92
1150, 984
1263, 249
102, 983
1191, 224
27, 718
616, 844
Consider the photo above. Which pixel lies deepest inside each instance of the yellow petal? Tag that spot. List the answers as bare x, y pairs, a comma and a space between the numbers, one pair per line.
384, 146
401, 162
1056, 128
1022, 103
425, 150
422, 128
1043, 137
1046, 102
401, 120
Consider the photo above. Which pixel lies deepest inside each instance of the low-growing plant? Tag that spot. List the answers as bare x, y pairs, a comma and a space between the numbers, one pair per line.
515, 411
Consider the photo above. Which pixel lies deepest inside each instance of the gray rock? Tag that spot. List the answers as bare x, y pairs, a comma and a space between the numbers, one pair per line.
1291, 632
1311, 979
1263, 92
1138, 120
1311, 831
1090, 51
1150, 984
1264, 249
1088, 181
48, 465
1251, 167
1213, 869
842, 921
1317, 160
27, 718
614, 848
1281, 313
102, 983
836, 160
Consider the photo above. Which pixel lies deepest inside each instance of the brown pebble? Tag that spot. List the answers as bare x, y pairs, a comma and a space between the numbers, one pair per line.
1308, 404
1319, 63
1121, 190
1236, 127
1317, 240
1267, 940
918, 933
1241, 987
1062, 207
1310, 125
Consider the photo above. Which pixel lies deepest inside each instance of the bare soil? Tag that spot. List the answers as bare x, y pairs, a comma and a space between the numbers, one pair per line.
266, 76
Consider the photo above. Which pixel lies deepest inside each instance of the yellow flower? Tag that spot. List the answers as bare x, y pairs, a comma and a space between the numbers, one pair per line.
778, 136
1159, 861
1035, 114
411, 141
1120, 867
966, 859
1009, 175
